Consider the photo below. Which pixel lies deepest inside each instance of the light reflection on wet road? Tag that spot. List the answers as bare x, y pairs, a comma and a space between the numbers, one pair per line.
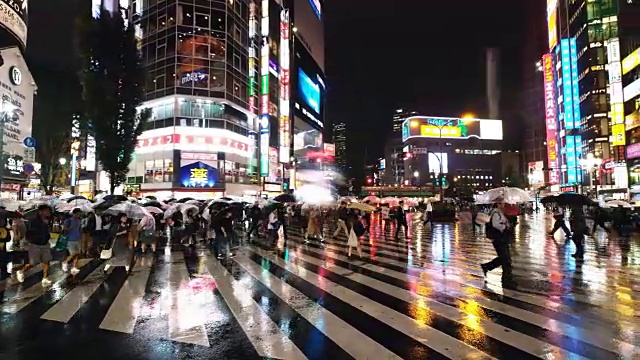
425, 297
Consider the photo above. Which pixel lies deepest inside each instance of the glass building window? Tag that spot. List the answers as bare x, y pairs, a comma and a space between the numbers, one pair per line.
202, 21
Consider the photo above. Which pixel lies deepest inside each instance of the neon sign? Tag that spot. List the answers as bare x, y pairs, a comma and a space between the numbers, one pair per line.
445, 131
264, 91
199, 176
550, 119
285, 75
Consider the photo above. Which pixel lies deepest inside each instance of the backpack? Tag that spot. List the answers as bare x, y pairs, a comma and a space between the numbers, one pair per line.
358, 228
490, 231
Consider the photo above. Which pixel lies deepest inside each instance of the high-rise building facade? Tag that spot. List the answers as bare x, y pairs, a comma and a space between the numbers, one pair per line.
393, 152
587, 42
340, 141
236, 90
534, 154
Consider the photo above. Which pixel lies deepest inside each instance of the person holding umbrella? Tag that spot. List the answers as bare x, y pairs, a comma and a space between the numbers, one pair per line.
497, 231
558, 215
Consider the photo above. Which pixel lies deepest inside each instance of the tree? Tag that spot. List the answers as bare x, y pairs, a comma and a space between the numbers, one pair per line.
112, 78
57, 100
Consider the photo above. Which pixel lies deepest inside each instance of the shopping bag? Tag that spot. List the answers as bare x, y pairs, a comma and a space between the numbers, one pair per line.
106, 254
61, 243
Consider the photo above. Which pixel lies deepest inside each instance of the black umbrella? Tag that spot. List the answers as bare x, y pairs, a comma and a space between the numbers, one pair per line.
285, 198
77, 197
154, 203
184, 200
551, 199
569, 199
114, 198
151, 197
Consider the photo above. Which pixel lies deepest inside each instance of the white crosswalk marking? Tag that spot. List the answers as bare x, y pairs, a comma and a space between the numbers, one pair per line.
264, 334
186, 323
125, 309
428, 294
64, 310
333, 327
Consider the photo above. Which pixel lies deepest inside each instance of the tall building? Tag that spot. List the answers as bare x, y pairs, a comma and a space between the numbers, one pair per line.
393, 153
534, 154
236, 91
340, 141
18, 89
583, 73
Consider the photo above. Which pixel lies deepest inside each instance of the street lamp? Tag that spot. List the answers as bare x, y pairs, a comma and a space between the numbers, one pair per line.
592, 164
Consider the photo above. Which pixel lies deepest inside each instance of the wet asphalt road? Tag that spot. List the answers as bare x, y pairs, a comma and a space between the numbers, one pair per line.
417, 299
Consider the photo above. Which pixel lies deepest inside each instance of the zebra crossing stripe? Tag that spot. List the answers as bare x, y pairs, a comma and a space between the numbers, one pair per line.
125, 309
23, 298
427, 336
186, 323
329, 324
265, 336
592, 341
64, 309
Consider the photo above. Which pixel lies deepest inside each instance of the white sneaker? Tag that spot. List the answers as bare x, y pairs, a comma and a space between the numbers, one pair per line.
75, 271
126, 268
65, 266
46, 282
9, 267
20, 275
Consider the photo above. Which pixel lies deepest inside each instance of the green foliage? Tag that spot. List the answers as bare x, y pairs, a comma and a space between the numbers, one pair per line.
112, 78
58, 99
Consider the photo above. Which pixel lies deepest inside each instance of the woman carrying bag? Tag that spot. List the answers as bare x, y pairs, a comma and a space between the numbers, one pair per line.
356, 230
121, 253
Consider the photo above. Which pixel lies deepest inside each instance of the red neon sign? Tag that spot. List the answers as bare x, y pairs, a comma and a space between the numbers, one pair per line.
550, 119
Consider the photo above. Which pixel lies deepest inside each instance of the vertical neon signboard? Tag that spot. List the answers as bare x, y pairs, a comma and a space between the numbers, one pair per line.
567, 91
550, 119
285, 85
575, 88
264, 91
253, 57
616, 93
570, 153
579, 154
552, 21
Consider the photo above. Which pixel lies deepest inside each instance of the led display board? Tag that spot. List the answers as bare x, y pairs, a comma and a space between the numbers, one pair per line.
285, 85
451, 128
551, 118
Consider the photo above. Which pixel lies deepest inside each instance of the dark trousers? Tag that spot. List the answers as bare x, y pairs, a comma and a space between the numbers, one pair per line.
406, 229
578, 239
560, 224
428, 217
253, 227
503, 259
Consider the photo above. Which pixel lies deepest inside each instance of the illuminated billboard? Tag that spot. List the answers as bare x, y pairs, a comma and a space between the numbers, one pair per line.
264, 91
552, 21
567, 93
285, 76
14, 18
309, 91
573, 154
616, 93
451, 128
575, 88
550, 118
630, 62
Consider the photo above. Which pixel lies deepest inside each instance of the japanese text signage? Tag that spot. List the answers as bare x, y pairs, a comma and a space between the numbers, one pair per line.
285, 82
550, 119
264, 91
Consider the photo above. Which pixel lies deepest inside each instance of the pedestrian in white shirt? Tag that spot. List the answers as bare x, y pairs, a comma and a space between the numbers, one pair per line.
428, 214
495, 230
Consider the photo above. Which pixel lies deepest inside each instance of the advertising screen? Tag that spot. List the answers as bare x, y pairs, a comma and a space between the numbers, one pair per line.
309, 91
434, 162
550, 118
13, 17
451, 128
309, 88
308, 17
198, 175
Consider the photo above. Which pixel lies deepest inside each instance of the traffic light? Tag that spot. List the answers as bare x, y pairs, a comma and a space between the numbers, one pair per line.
285, 186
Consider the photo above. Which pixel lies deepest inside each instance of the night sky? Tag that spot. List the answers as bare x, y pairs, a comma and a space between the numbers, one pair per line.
423, 55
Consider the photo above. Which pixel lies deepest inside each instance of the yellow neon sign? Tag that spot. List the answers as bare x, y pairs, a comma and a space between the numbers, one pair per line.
445, 131
617, 134
631, 61
199, 175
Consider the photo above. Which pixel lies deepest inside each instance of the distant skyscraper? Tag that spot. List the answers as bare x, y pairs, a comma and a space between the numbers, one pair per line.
340, 140
398, 119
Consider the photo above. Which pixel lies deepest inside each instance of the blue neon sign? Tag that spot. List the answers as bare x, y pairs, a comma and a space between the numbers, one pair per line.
567, 92
574, 83
579, 154
572, 161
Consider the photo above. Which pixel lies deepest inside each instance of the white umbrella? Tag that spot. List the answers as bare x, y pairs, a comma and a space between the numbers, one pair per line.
10, 204
133, 211
372, 199
154, 210
183, 208
63, 207
617, 203
510, 195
